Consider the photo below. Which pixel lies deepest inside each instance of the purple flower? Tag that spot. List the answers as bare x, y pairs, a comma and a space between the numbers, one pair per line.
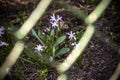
54, 20
3, 44
54, 24
48, 29
59, 18
71, 35
39, 47
73, 44
1, 31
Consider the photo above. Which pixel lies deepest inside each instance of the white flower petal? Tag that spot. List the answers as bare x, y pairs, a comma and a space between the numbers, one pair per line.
39, 48
71, 35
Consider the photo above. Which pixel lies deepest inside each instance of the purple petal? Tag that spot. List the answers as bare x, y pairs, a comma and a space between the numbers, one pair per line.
3, 44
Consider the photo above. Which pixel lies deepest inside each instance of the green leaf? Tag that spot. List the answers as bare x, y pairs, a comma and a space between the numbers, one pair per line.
26, 60
35, 34
41, 36
62, 51
52, 32
59, 40
53, 51
51, 37
32, 55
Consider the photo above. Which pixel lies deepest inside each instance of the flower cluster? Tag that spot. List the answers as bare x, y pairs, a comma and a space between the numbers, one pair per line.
1, 33
54, 20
